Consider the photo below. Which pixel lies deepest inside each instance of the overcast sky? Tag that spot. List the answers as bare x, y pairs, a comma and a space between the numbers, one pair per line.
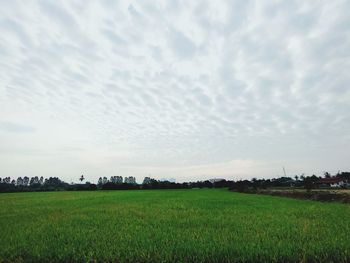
176, 89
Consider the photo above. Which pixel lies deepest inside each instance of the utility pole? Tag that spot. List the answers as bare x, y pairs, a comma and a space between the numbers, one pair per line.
284, 171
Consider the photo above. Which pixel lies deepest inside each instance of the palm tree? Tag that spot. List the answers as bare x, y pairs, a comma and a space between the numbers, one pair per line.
81, 178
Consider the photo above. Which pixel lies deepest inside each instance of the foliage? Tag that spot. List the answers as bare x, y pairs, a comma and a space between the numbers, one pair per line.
27, 184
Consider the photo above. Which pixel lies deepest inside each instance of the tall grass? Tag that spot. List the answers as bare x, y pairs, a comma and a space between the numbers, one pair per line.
171, 225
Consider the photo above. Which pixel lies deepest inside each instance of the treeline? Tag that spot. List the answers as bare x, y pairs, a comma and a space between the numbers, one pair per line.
27, 184
129, 183
340, 180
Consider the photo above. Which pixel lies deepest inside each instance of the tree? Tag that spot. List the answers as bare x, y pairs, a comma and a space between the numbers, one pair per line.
19, 181
81, 178
345, 175
147, 180
54, 183
255, 183
99, 181
310, 182
6, 180
25, 180
327, 175
296, 178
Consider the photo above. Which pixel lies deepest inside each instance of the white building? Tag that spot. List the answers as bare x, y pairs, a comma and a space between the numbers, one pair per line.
215, 180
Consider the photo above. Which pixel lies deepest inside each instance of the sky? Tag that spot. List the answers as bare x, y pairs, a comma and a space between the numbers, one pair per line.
190, 90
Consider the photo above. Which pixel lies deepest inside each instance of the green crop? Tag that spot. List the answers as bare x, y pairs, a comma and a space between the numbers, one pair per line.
199, 225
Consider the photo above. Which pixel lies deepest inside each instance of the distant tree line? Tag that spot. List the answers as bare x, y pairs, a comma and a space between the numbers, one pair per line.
129, 183
26, 184
308, 182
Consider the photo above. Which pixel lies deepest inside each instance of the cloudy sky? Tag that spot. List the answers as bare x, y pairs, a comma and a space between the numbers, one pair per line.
176, 89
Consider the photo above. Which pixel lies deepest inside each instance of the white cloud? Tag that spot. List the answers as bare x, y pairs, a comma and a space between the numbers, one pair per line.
164, 87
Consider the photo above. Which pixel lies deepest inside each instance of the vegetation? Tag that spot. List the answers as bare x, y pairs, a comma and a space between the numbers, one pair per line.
202, 225
26, 184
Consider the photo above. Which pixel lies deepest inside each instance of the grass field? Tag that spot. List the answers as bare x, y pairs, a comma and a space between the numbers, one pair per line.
171, 225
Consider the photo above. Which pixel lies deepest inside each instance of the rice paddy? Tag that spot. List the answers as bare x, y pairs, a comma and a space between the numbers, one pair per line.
201, 225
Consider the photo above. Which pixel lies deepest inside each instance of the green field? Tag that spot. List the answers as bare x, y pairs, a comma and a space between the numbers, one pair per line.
199, 225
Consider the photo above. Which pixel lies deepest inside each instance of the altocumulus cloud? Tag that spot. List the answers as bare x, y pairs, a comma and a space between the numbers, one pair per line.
185, 89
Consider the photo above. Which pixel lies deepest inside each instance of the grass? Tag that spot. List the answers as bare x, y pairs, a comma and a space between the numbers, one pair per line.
171, 225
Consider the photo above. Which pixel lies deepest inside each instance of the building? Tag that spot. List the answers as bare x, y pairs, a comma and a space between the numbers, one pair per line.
170, 180
333, 182
215, 180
